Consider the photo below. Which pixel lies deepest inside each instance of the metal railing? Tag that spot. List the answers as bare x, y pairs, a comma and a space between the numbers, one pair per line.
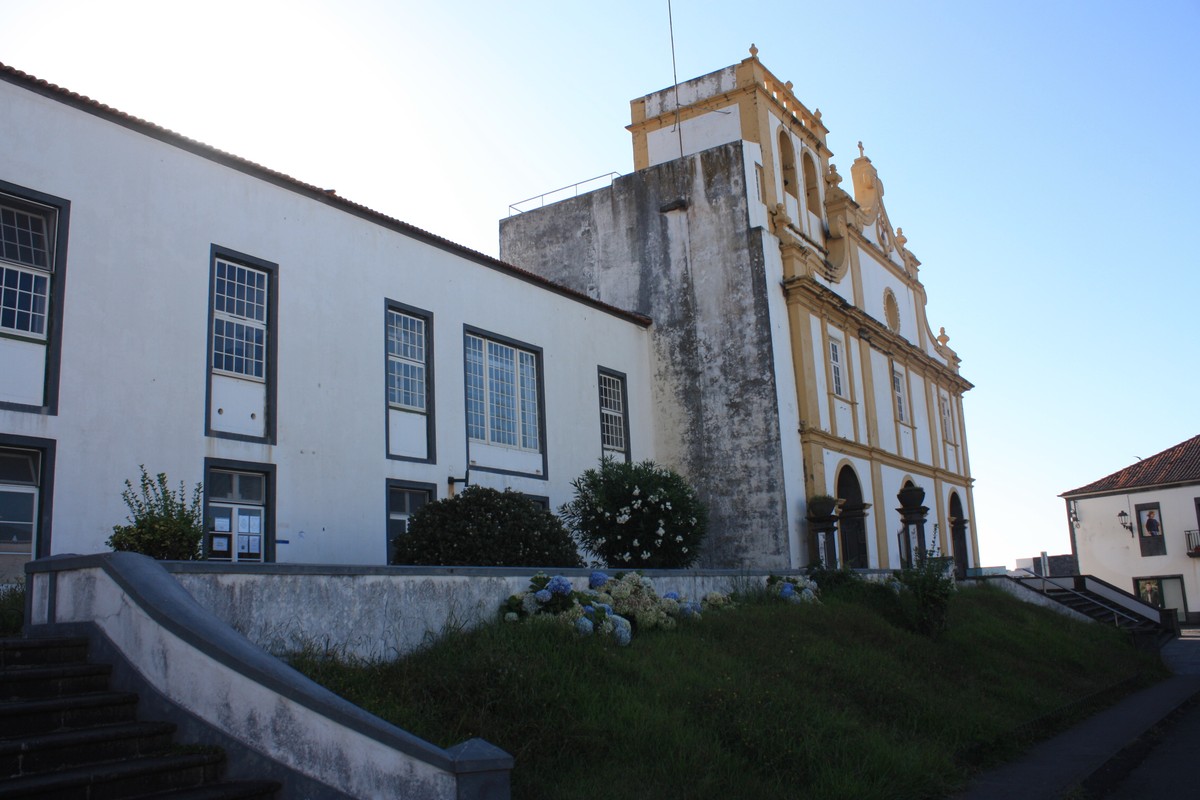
1193, 543
1070, 585
514, 208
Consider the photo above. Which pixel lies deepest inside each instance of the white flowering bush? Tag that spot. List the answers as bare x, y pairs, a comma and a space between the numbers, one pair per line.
610, 606
794, 589
637, 516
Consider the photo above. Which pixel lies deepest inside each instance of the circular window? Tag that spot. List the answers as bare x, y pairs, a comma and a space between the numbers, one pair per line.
891, 311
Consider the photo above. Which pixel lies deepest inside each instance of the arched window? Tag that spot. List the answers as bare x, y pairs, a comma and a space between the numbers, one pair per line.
787, 164
958, 536
812, 196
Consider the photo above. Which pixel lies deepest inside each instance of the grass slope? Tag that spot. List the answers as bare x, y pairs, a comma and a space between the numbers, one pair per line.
838, 700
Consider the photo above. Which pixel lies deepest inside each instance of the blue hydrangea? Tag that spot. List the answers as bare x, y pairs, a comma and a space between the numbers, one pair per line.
671, 596
786, 590
622, 631
689, 608
606, 608
589, 610
583, 626
542, 595
559, 585
597, 579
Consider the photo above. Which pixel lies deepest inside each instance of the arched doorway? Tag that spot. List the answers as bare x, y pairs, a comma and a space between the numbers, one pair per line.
852, 522
958, 535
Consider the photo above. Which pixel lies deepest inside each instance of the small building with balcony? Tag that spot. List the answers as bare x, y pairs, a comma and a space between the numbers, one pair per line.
1139, 528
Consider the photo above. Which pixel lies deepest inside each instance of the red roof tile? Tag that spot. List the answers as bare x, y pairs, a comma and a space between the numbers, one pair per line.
1178, 464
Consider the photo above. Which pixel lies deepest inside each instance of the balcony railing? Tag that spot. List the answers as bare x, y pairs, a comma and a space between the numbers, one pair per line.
1193, 543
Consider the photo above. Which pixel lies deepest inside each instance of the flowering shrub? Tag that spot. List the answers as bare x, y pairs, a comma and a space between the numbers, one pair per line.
636, 515
162, 524
609, 607
794, 589
485, 528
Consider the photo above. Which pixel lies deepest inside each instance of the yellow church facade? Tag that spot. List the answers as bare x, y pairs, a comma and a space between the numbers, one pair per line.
793, 358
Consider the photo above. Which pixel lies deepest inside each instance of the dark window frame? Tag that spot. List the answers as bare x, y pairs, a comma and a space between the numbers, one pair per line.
45, 506
394, 484
272, 349
430, 405
30, 200
1150, 545
624, 381
543, 444
268, 473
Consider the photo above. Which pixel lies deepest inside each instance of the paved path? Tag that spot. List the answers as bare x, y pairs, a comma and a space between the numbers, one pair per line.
1057, 766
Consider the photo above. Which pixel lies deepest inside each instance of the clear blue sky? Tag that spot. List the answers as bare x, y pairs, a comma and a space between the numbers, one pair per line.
1040, 157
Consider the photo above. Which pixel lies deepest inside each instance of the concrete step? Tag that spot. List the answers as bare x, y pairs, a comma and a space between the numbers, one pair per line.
54, 751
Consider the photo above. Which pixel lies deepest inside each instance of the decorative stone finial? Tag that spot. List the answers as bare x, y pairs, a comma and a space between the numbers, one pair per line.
942, 337
817, 114
753, 51
832, 178
788, 86
861, 153
902, 240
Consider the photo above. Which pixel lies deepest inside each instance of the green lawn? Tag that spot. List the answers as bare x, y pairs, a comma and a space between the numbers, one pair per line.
837, 700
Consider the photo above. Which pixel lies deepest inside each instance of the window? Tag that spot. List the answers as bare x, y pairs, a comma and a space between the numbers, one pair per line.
26, 263
502, 394
404, 500
242, 342
901, 395
33, 247
239, 320
406, 366
614, 421
947, 417
19, 472
237, 523
1151, 538
835, 366
812, 197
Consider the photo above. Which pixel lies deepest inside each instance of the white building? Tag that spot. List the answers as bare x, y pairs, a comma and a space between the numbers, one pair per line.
792, 354
323, 369
1113, 538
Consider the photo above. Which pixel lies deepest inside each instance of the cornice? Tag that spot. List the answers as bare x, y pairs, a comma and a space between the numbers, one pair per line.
875, 454
871, 330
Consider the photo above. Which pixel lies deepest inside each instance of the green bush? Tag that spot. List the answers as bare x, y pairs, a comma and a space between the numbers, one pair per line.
12, 608
162, 524
485, 528
931, 583
637, 515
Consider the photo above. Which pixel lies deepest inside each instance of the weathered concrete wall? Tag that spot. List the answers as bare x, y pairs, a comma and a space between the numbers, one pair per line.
382, 612
674, 242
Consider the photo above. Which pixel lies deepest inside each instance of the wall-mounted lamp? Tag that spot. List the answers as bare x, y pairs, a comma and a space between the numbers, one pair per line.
1074, 514
1124, 520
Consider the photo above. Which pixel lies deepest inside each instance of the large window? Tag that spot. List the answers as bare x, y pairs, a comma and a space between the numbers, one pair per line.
1151, 536
502, 394
406, 368
614, 417
239, 343
33, 246
26, 263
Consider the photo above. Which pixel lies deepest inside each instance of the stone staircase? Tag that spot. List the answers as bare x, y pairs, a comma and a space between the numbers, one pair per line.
64, 734
1144, 632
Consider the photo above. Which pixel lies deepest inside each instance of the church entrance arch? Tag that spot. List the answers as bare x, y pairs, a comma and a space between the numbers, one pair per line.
958, 535
852, 520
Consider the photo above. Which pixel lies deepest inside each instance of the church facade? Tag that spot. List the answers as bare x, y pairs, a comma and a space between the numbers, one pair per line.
791, 355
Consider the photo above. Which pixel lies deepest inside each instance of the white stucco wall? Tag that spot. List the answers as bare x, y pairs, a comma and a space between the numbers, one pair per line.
697, 134
144, 215
1113, 554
